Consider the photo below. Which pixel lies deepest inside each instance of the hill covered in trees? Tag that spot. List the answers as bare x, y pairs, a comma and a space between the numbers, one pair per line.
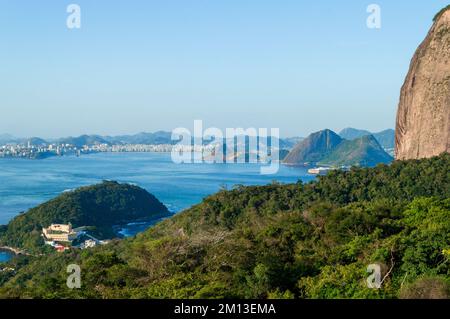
311, 240
385, 138
328, 148
313, 148
99, 206
364, 151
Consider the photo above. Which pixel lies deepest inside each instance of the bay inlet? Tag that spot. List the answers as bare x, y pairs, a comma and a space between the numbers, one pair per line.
25, 184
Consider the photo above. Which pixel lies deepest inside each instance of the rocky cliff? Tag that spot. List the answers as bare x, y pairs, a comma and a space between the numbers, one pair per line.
423, 115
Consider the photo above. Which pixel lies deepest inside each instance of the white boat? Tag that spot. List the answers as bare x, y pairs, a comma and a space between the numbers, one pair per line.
319, 170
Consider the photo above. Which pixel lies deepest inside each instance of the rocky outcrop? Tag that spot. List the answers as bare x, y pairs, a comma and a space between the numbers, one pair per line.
422, 128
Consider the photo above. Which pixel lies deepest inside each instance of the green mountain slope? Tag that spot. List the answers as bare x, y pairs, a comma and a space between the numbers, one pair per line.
328, 148
101, 206
364, 151
278, 241
385, 138
313, 148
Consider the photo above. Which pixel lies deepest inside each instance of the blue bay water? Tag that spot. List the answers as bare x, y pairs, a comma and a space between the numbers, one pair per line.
27, 183
4, 256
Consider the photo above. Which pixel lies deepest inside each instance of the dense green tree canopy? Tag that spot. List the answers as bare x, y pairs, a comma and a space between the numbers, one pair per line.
99, 206
278, 241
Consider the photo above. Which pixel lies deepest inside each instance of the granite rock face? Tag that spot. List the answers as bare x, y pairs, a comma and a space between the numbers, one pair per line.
422, 128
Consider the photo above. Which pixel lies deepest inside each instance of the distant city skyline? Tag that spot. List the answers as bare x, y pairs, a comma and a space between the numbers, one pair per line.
145, 66
51, 138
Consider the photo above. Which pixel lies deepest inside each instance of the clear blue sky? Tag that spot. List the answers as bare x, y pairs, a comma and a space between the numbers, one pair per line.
147, 65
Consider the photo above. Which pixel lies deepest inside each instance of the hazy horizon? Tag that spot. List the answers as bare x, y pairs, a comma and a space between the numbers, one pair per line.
168, 131
145, 66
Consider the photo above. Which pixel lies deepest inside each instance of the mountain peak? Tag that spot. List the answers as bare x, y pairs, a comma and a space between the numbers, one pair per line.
350, 133
313, 148
327, 148
441, 13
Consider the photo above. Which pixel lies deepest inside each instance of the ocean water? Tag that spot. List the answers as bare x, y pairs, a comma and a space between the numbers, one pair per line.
4, 256
27, 183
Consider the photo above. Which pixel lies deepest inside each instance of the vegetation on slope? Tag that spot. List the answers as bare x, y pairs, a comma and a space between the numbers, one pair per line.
314, 148
385, 138
277, 241
328, 148
100, 206
440, 13
364, 151
353, 133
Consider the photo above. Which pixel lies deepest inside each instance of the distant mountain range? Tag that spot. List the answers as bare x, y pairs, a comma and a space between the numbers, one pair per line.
7, 138
314, 149
160, 137
328, 148
353, 133
385, 138
157, 138
83, 140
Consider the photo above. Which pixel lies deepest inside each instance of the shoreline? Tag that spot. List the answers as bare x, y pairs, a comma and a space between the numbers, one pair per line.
82, 154
12, 250
121, 229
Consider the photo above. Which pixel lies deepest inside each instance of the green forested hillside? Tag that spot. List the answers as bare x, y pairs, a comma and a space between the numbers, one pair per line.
364, 151
277, 241
328, 148
100, 206
385, 138
313, 148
